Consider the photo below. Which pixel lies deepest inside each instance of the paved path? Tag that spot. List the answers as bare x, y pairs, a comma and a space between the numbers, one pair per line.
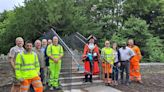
100, 88
145, 64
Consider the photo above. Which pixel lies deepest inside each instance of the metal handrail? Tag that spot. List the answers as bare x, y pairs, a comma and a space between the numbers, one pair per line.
67, 48
83, 38
81, 35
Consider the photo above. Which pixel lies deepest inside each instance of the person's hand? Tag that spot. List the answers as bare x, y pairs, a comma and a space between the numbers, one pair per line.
21, 79
119, 64
56, 60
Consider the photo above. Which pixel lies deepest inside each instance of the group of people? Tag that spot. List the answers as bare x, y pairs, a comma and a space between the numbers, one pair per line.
35, 66
114, 60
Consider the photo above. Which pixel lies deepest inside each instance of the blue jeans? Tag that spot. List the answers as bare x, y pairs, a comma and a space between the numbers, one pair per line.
115, 73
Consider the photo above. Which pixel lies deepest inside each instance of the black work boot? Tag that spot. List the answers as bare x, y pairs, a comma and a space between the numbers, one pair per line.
90, 79
86, 78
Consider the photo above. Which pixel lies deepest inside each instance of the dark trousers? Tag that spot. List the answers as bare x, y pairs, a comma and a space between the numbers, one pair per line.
86, 75
115, 73
42, 74
125, 66
31, 88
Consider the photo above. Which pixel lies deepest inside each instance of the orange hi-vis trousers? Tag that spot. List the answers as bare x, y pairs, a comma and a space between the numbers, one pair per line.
135, 74
107, 70
36, 83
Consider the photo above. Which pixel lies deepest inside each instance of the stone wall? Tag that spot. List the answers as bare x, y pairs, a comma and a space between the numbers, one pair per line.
5, 71
3, 58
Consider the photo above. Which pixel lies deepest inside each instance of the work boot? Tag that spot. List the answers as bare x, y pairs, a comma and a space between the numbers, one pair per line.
51, 88
116, 83
127, 83
140, 82
122, 82
57, 88
90, 79
86, 78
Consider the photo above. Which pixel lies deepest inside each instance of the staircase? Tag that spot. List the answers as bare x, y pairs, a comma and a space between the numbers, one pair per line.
71, 78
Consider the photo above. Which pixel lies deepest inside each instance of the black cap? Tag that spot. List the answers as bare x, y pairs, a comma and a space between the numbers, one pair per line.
90, 37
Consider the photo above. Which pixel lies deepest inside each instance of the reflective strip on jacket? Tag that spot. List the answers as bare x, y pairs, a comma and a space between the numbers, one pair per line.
55, 51
27, 65
108, 55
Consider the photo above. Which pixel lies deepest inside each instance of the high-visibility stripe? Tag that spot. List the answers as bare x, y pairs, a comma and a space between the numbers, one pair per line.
28, 69
25, 86
24, 90
36, 81
37, 66
38, 85
18, 64
23, 61
28, 64
60, 50
17, 68
56, 54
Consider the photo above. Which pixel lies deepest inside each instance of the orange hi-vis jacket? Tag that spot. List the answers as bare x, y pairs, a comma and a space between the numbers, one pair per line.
134, 64
137, 58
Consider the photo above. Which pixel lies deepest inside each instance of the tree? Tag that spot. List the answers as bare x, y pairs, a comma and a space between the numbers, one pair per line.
28, 21
137, 29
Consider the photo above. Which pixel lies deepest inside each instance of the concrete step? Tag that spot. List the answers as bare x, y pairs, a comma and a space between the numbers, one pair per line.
69, 63
73, 73
81, 84
68, 69
73, 79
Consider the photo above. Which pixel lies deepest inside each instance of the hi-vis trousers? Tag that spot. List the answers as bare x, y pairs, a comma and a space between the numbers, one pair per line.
36, 83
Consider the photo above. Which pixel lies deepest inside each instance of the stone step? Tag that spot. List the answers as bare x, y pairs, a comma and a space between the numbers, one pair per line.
72, 79
72, 73
70, 63
81, 84
69, 69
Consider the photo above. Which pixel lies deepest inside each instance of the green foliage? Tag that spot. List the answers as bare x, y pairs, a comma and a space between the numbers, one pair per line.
69, 16
27, 21
137, 29
112, 20
154, 49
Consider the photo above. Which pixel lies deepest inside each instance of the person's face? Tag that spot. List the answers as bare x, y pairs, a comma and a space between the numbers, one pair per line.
130, 42
114, 46
44, 43
124, 45
38, 44
28, 46
20, 43
49, 42
55, 40
91, 40
107, 44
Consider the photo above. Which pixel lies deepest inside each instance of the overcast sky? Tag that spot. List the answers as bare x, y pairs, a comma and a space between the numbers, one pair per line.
9, 4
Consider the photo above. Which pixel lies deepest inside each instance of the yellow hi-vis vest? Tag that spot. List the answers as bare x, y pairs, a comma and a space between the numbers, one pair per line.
27, 65
55, 51
107, 54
